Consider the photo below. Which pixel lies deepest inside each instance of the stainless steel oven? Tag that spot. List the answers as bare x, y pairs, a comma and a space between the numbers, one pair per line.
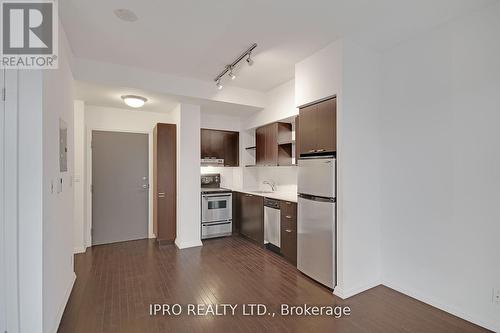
216, 207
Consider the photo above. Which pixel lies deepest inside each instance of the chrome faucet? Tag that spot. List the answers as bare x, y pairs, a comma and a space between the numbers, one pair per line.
270, 183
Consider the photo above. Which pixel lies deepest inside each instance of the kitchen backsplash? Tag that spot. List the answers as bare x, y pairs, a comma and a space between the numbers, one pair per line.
252, 177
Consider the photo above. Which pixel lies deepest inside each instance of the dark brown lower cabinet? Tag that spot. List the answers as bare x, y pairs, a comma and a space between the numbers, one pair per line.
251, 217
236, 216
288, 240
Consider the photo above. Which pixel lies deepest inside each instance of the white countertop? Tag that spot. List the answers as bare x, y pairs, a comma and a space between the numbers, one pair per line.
279, 195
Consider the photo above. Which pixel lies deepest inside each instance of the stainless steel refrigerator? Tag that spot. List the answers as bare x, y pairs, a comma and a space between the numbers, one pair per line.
316, 219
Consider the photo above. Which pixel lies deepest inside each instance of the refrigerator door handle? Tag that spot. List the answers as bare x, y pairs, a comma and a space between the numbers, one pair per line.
316, 198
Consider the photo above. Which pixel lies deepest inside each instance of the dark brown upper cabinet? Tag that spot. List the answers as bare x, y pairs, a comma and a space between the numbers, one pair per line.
221, 144
317, 131
274, 144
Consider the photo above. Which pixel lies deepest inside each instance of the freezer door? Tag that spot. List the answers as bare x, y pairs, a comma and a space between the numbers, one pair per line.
316, 240
317, 177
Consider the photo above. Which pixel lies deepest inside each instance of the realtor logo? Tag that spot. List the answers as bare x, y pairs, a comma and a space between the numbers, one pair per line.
29, 34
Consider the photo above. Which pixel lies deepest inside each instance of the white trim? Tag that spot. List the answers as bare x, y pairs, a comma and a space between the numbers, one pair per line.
344, 294
484, 322
88, 180
79, 249
62, 306
187, 244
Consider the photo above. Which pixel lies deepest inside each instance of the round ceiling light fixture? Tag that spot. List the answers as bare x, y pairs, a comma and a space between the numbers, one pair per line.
134, 101
125, 15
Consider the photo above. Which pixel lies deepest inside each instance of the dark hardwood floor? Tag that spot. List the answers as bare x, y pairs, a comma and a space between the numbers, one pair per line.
116, 283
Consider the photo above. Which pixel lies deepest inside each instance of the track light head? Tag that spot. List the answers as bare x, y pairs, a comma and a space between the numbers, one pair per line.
219, 85
249, 59
231, 74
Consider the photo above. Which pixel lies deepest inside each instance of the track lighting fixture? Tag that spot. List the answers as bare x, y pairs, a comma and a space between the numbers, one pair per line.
230, 68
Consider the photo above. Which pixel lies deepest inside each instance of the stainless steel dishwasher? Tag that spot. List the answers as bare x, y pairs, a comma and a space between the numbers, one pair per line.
272, 224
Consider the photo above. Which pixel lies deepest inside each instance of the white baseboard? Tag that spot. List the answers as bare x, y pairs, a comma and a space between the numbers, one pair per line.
62, 306
484, 322
79, 249
187, 244
344, 294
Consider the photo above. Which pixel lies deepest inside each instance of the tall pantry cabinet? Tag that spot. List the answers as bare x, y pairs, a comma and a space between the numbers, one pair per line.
164, 182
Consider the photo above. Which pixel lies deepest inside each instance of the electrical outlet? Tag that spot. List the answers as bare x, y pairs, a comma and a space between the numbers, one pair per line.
495, 296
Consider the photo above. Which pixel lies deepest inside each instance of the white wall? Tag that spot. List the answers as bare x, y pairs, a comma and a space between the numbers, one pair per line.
346, 70
119, 120
30, 209
358, 181
9, 207
220, 121
440, 160
188, 176
319, 75
280, 104
58, 275
79, 178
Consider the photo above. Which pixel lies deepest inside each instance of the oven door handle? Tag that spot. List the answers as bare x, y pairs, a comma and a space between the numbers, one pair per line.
208, 224
207, 196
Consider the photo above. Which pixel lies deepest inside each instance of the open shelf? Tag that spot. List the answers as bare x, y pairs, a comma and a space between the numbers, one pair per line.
286, 143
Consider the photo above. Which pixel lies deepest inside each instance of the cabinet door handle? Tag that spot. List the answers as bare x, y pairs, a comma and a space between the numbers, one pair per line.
312, 150
288, 203
288, 230
320, 150
288, 217
248, 195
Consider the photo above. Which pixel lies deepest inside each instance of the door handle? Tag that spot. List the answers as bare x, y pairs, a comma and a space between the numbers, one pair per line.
161, 194
288, 230
288, 217
145, 186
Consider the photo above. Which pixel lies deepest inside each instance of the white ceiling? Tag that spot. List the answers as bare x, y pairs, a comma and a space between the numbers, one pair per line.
196, 38
110, 96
